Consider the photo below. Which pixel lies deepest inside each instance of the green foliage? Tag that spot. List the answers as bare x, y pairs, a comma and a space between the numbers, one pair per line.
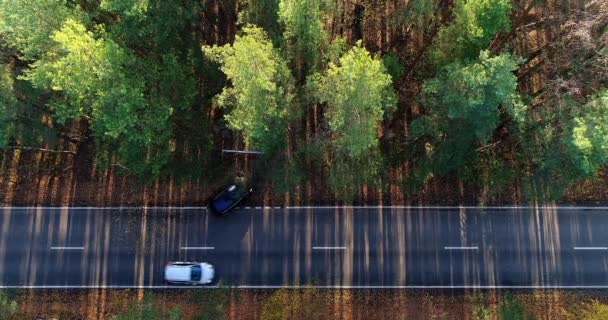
7, 103
127, 67
357, 92
7, 306
303, 33
126, 7
146, 310
542, 146
262, 13
336, 49
393, 66
464, 106
162, 36
565, 144
20, 118
475, 22
512, 309
92, 75
589, 138
161, 29
214, 303
262, 88
86, 70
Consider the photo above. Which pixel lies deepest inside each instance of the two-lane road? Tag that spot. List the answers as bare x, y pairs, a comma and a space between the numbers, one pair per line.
323, 246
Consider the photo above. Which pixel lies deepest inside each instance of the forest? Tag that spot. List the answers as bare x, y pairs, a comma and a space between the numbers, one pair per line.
502, 100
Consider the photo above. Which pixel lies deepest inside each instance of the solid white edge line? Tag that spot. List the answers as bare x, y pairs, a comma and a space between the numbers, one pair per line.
103, 208
306, 207
448, 207
66, 248
328, 248
197, 248
461, 248
304, 287
590, 248
422, 287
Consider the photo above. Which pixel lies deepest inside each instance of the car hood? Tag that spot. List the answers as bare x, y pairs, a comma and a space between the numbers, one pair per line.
208, 273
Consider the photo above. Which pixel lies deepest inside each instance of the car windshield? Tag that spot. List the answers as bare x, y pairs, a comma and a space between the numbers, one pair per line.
196, 273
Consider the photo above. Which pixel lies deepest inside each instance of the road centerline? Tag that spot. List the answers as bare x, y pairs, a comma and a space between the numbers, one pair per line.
461, 248
66, 248
590, 248
328, 248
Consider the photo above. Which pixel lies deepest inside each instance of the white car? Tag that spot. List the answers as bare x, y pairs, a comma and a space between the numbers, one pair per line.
189, 273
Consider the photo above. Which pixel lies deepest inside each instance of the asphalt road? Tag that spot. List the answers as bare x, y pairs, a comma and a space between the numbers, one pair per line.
326, 247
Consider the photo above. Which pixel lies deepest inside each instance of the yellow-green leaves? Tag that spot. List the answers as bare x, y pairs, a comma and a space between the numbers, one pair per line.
90, 75
593, 311
261, 88
357, 92
91, 78
28, 25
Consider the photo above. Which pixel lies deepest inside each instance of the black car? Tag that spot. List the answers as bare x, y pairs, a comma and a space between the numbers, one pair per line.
229, 198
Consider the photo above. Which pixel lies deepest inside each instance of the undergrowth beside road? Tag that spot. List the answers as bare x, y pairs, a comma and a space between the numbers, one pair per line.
308, 304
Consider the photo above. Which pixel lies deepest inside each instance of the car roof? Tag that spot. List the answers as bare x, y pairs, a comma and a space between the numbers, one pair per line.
227, 198
177, 271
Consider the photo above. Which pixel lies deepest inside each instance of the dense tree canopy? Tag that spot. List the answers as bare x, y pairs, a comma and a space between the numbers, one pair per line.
7, 102
262, 13
93, 77
261, 92
303, 32
474, 24
590, 133
28, 25
464, 106
497, 93
358, 93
